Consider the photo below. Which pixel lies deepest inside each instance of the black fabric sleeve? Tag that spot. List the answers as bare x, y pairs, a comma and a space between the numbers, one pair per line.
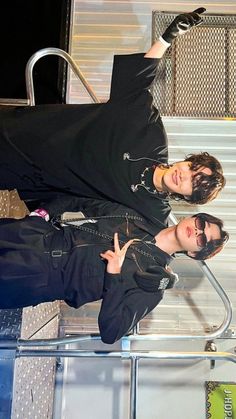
59, 204
89, 206
123, 307
132, 75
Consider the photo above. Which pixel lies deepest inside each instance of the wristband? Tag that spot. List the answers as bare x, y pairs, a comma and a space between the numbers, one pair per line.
165, 43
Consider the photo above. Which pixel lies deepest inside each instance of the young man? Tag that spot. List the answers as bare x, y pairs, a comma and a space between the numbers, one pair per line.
115, 150
79, 264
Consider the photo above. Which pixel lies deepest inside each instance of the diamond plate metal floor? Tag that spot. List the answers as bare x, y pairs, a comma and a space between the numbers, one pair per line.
33, 389
27, 384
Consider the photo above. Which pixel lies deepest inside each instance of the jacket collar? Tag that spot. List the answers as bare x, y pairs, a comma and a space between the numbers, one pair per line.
152, 230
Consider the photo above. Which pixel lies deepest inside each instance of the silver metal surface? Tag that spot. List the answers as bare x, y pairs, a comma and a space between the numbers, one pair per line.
196, 77
14, 102
34, 382
133, 387
7, 360
60, 53
34, 318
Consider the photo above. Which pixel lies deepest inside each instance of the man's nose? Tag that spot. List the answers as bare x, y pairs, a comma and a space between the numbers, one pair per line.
198, 231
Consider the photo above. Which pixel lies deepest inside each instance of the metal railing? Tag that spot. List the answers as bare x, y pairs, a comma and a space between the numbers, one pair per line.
134, 356
59, 52
30, 101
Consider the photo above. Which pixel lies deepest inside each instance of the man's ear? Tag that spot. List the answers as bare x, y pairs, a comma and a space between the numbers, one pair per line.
191, 254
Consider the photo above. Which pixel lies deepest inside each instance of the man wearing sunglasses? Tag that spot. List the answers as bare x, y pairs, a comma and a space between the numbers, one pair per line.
116, 150
109, 252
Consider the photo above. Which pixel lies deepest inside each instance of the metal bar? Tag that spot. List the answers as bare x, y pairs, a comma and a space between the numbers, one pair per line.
133, 356
59, 52
133, 387
77, 353
14, 102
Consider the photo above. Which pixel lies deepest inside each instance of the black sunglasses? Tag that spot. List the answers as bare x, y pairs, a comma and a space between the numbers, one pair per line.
201, 239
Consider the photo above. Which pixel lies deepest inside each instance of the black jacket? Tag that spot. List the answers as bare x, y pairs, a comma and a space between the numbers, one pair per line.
97, 150
30, 272
128, 297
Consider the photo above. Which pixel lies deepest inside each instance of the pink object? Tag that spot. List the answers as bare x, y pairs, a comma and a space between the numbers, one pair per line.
40, 212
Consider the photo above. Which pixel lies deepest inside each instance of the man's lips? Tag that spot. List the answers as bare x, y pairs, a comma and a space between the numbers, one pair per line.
175, 178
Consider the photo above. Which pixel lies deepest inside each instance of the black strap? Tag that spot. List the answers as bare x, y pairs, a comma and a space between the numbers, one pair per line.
56, 248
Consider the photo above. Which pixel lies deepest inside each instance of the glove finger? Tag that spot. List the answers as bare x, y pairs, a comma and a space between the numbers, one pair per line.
183, 26
200, 10
183, 18
186, 22
196, 18
192, 19
199, 22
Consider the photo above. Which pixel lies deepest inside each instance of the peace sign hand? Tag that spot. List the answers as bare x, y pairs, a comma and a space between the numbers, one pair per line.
116, 258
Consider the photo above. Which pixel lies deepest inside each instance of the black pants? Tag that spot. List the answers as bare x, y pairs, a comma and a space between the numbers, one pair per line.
28, 274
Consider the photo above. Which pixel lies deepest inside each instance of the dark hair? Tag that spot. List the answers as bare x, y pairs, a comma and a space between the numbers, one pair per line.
213, 246
205, 187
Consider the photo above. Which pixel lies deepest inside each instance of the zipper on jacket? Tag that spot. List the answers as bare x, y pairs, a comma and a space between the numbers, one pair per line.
136, 261
127, 224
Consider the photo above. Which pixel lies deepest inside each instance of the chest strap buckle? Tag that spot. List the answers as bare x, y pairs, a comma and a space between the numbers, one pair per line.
56, 253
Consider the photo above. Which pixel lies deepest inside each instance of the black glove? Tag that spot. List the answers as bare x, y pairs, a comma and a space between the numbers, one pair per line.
182, 24
155, 278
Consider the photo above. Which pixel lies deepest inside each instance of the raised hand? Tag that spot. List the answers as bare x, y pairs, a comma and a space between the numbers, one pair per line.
116, 258
182, 24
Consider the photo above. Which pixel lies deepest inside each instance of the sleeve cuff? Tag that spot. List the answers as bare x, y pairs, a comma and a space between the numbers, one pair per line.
111, 279
166, 44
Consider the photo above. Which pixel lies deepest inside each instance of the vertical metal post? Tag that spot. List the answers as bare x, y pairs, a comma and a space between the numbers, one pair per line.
133, 387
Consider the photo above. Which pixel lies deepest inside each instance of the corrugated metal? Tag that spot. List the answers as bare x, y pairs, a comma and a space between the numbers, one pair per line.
100, 30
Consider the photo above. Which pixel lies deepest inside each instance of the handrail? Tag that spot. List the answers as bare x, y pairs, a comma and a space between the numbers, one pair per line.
133, 387
53, 51
133, 356
77, 353
13, 102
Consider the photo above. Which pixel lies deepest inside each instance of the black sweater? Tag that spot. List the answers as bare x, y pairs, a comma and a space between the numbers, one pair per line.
97, 150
